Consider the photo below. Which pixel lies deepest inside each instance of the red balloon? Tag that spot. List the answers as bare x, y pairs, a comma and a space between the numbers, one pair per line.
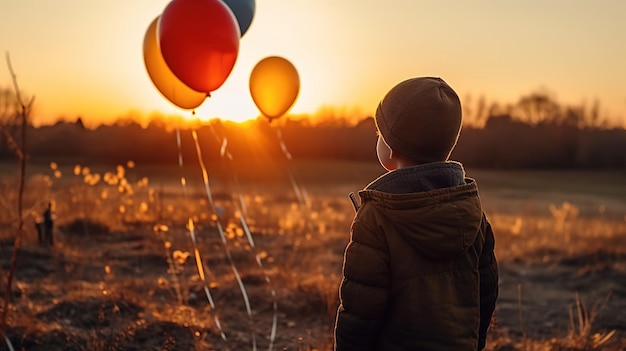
199, 41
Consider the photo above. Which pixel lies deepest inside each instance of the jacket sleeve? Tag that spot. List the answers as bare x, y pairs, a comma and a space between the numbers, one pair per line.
363, 291
488, 268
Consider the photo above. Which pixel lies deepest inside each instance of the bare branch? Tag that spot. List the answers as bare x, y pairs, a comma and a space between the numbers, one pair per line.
12, 144
24, 114
18, 95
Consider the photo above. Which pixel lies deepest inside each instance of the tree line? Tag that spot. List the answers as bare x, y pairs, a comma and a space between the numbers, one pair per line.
535, 133
503, 143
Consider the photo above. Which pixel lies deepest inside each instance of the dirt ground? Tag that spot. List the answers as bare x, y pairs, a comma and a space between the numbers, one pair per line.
65, 300
125, 290
536, 300
117, 292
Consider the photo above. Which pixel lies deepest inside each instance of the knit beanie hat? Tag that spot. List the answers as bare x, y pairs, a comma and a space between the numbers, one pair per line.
420, 118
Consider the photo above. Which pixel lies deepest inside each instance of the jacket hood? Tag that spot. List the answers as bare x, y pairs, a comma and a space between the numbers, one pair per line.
434, 207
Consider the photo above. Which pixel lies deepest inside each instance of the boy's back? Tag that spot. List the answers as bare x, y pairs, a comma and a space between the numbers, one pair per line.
419, 271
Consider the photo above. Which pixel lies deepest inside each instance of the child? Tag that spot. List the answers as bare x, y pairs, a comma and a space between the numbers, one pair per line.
419, 272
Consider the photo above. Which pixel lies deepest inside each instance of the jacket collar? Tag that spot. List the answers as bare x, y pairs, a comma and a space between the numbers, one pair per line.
420, 178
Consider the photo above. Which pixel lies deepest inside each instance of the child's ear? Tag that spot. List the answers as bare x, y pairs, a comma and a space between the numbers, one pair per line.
390, 163
385, 155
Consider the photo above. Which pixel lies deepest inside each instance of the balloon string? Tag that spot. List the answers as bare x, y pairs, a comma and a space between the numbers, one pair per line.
183, 181
243, 213
299, 191
8, 342
192, 235
220, 229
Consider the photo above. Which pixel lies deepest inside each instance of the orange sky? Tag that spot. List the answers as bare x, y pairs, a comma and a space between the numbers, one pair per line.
84, 58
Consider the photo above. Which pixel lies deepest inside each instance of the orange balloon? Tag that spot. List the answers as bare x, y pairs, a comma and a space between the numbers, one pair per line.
274, 86
162, 77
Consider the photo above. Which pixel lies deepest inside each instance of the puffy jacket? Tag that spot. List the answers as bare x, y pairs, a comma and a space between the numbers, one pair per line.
419, 271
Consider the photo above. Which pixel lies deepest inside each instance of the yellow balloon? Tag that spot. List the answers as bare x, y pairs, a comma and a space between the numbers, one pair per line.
162, 77
274, 86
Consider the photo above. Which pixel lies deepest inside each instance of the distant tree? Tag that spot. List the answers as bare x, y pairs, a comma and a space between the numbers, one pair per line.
337, 116
13, 115
537, 108
7, 103
592, 118
79, 123
8, 121
475, 114
127, 121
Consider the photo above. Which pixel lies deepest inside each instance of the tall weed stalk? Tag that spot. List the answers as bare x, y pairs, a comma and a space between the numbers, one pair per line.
24, 112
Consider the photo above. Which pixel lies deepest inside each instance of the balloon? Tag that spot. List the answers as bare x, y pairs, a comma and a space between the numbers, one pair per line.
199, 41
162, 77
274, 86
243, 11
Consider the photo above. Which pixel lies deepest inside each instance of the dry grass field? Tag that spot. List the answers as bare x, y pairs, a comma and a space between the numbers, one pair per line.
143, 262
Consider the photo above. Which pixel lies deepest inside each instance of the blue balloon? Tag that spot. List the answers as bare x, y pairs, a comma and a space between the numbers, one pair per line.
243, 11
